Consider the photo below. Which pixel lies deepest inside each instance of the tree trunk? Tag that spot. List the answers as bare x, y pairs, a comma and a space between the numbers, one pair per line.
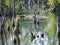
59, 29
16, 39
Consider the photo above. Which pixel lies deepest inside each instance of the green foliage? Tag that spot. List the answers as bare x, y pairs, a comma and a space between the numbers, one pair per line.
8, 23
58, 1
18, 6
7, 3
52, 3
42, 12
50, 29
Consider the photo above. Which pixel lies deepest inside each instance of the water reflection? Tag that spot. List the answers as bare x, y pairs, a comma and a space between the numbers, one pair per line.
40, 37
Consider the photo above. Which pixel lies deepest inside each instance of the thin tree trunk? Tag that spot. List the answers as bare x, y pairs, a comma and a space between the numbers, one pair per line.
2, 37
2, 30
13, 10
16, 33
0, 6
59, 29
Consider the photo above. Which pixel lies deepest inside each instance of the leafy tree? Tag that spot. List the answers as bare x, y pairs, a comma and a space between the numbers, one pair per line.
58, 1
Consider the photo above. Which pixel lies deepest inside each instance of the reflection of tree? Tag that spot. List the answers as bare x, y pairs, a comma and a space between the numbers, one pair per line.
37, 7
